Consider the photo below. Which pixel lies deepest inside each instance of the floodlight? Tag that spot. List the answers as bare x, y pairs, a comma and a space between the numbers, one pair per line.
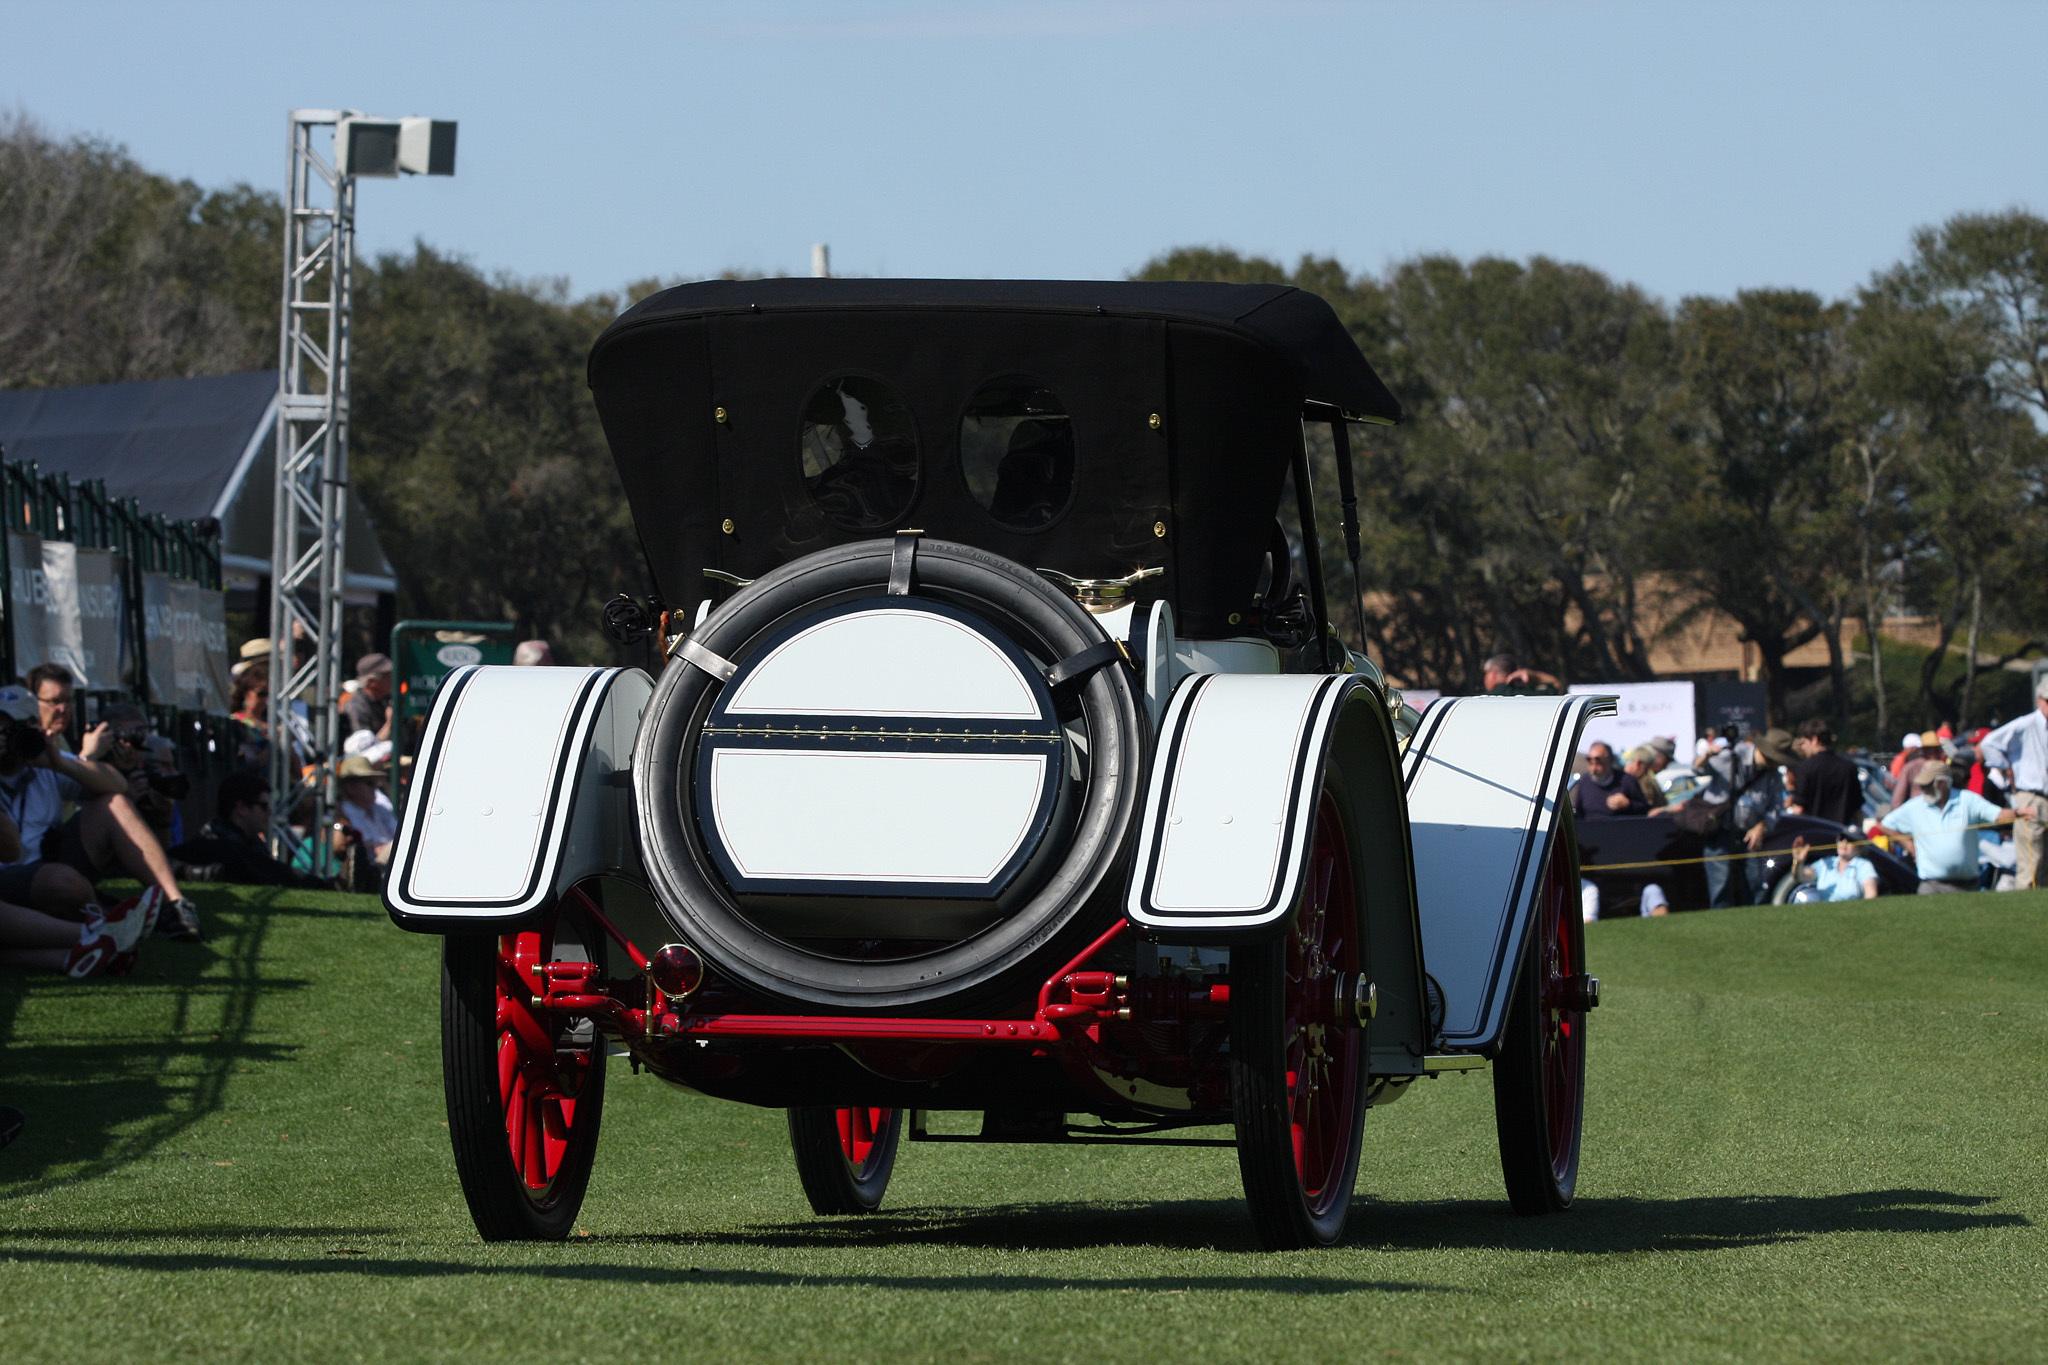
426, 146
368, 148
379, 148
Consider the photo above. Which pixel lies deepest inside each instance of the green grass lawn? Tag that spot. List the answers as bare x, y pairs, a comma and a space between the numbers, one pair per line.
1813, 1132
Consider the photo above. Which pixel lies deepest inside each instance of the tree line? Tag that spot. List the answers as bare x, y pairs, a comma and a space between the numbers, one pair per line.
1575, 447
1582, 465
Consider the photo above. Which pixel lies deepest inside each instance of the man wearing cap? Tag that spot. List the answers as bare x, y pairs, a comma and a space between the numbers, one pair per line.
533, 654
1938, 828
369, 706
365, 808
2019, 750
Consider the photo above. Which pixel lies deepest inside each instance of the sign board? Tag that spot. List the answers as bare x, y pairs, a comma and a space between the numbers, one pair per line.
426, 657
1645, 710
67, 609
1744, 705
185, 635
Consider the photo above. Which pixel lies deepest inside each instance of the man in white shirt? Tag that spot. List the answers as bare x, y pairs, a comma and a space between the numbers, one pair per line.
1939, 828
2019, 750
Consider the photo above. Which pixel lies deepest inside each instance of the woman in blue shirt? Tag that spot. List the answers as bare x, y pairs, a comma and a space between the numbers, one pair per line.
1844, 877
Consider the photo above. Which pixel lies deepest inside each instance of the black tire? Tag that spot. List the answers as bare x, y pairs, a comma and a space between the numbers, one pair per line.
1295, 1064
837, 1174
1070, 900
503, 1204
1539, 1079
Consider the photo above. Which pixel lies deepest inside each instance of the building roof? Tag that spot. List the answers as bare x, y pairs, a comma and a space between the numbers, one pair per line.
187, 448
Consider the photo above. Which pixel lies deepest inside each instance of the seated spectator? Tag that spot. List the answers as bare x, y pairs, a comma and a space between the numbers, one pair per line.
234, 840
1641, 764
1663, 753
1824, 784
62, 861
1936, 829
250, 703
1844, 877
369, 706
150, 763
366, 808
1606, 791
103, 943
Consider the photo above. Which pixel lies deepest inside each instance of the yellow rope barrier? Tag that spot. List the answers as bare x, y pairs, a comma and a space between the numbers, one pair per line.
1746, 855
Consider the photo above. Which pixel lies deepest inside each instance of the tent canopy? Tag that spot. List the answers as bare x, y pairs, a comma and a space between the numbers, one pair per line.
187, 448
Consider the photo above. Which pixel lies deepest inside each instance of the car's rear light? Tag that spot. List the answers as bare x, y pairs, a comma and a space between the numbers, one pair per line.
677, 970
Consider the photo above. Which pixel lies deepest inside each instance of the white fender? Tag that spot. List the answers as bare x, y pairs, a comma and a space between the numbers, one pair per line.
1230, 809
1486, 780
519, 791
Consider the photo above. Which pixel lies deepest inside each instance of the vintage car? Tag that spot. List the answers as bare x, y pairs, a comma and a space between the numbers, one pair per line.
994, 756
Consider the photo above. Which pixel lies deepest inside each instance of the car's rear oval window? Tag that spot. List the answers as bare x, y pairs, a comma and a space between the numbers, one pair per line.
858, 452
1017, 453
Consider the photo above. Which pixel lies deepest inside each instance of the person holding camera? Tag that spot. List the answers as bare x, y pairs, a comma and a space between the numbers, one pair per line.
50, 918
106, 836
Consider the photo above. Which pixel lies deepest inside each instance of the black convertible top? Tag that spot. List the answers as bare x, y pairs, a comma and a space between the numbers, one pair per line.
1179, 403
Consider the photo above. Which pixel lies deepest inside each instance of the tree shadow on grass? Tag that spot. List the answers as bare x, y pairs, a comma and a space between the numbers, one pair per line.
120, 1092
355, 1261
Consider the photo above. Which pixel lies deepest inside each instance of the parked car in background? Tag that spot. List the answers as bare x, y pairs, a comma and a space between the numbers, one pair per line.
1624, 855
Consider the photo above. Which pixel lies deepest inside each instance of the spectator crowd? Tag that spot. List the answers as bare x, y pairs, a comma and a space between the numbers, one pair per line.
83, 805
1950, 813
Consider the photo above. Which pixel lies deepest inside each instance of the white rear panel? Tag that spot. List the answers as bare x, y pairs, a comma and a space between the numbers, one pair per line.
886, 662
812, 815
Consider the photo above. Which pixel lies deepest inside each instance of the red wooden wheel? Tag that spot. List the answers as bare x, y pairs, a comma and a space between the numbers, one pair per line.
1539, 1080
543, 1067
525, 1086
845, 1156
1298, 1054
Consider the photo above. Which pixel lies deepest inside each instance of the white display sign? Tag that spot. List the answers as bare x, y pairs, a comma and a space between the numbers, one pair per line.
1646, 709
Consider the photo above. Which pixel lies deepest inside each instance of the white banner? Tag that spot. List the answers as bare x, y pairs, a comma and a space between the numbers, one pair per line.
1647, 709
67, 609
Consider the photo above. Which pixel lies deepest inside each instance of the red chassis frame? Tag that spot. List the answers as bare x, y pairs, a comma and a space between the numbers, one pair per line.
1076, 1012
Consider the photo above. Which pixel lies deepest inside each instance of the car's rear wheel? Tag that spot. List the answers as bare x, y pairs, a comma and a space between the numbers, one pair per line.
845, 1156
525, 1087
1298, 1054
1539, 1079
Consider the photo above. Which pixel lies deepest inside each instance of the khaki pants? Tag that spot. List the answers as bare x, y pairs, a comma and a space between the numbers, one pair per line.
2028, 834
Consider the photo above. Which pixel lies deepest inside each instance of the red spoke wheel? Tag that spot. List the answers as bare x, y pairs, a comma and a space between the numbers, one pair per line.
525, 1086
845, 1156
1298, 1053
1539, 1079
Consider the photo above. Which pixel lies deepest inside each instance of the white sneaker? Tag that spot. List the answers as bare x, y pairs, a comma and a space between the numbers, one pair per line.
130, 922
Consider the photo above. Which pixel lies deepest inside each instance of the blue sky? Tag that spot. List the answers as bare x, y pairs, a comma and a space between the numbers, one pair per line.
1688, 147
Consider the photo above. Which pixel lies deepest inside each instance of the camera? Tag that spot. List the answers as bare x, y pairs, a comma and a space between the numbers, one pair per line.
21, 741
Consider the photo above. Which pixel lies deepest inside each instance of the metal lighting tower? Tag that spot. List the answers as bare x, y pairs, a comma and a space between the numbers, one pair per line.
308, 565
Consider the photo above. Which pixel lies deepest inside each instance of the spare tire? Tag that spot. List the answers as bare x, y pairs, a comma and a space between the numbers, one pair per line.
843, 945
